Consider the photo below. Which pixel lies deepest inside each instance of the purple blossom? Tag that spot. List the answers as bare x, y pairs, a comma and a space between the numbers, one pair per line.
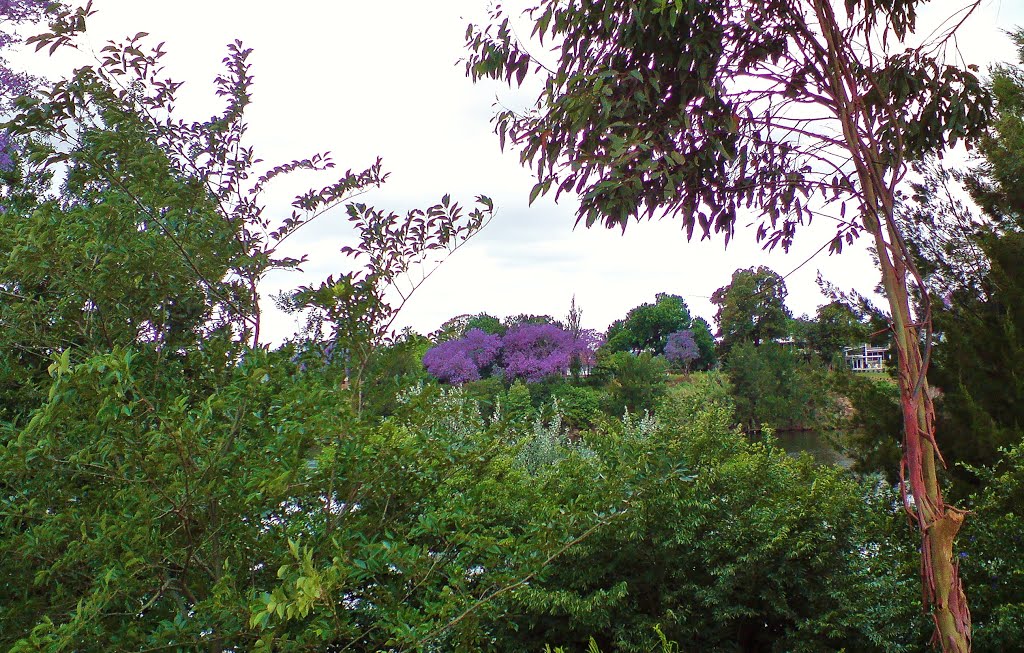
534, 351
19, 11
681, 348
462, 360
6, 162
12, 12
13, 84
528, 351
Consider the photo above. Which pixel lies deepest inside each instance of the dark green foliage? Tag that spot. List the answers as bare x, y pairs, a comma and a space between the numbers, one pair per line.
581, 407
998, 188
705, 344
743, 548
244, 503
702, 392
635, 382
982, 350
487, 393
456, 327
101, 265
137, 493
978, 361
995, 554
973, 266
486, 323
775, 386
526, 318
872, 428
517, 407
393, 368
835, 327
451, 329
647, 326
752, 308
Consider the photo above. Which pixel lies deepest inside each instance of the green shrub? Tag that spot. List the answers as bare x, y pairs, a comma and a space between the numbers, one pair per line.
872, 431
635, 382
580, 406
774, 385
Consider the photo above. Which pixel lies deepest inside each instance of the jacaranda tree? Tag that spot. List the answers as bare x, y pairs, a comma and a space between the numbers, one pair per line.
529, 351
463, 360
13, 82
535, 351
681, 349
705, 109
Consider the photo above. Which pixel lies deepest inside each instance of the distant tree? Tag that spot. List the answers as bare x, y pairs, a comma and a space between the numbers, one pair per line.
463, 360
574, 320
774, 386
752, 308
486, 323
798, 328
835, 327
535, 351
646, 327
705, 344
527, 318
681, 349
574, 325
451, 329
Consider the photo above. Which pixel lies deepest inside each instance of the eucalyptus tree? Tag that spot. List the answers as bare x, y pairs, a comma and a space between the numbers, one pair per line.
971, 256
709, 109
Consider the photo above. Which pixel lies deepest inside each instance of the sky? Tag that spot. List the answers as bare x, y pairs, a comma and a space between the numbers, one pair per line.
368, 79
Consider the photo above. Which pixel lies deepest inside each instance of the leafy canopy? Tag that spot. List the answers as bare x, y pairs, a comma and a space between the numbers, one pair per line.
703, 109
646, 327
752, 308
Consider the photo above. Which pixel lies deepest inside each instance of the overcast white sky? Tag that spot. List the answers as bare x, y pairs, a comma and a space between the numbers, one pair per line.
367, 79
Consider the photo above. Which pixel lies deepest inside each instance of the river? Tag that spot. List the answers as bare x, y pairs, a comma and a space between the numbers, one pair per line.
815, 443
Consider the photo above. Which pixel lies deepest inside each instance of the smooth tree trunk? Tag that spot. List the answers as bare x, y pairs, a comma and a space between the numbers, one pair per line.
937, 522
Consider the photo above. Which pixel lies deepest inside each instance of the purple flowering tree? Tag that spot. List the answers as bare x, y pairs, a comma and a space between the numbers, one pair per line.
463, 360
528, 351
681, 349
12, 14
15, 83
534, 351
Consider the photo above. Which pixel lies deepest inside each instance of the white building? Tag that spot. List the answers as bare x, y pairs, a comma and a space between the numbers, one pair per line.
865, 358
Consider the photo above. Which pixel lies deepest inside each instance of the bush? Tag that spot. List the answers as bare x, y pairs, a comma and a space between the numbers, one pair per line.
636, 382
873, 429
993, 556
580, 407
773, 385
725, 545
